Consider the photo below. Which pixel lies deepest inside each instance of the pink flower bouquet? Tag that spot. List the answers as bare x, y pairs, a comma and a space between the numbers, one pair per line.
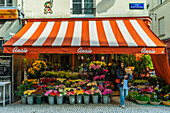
107, 92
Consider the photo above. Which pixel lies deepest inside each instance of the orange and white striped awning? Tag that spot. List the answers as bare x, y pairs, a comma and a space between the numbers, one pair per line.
109, 36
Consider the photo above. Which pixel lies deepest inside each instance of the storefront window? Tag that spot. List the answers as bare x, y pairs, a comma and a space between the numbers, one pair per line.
57, 62
82, 61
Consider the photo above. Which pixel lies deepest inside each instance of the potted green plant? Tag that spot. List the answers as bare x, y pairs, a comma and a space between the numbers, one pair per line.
141, 99
20, 92
141, 83
154, 99
132, 95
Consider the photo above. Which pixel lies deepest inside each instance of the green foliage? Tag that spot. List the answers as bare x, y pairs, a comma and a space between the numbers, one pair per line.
140, 82
129, 60
133, 94
165, 89
62, 74
142, 65
23, 87
155, 100
142, 98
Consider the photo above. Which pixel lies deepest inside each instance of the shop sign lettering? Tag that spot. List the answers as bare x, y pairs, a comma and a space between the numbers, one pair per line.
81, 50
144, 50
17, 50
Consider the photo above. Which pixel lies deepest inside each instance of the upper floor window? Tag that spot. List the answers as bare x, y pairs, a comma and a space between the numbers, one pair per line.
162, 1
6, 3
82, 7
161, 24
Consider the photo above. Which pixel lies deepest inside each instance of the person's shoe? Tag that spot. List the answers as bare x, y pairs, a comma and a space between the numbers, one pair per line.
123, 106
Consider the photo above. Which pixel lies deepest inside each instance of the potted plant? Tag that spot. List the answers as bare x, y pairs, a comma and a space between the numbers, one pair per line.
95, 95
39, 95
141, 83
154, 99
79, 93
30, 96
86, 96
132, 95
20, 92
148, 92
51, 96
71, 95
106, 93
166, 100
60, 93
141, 99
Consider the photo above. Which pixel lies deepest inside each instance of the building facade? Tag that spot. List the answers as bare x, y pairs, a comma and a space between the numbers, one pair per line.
159, 12
82, 8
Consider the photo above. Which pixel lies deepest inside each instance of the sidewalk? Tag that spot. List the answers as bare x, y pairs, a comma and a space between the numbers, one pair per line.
82, 108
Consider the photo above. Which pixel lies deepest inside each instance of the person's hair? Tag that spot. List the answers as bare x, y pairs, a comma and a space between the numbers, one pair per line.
120, 65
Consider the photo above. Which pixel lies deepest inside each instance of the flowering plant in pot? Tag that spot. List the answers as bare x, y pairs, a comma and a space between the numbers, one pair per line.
165, 99
95, 95
60, 93
141, 99
86, 96
154, 99
51, 96
79, 93
106, 93
71, 95
30, 96
39, 93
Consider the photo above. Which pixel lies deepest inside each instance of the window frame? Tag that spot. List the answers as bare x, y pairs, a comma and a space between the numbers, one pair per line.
81, 15
5, 4
159, 26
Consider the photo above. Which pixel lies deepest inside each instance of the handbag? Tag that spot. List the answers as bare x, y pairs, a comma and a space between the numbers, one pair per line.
117, 80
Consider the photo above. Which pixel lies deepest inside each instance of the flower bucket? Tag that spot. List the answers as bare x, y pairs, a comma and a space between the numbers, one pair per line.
30, 100
95, 99
86, 99
79, 99
51, 100
105, 99
23, 99
39, 99
72, 99
59, 100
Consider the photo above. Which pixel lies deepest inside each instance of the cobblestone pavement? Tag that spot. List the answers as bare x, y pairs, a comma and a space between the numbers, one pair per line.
82, 108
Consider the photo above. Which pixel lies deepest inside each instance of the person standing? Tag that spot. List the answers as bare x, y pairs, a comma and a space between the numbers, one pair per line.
123, 85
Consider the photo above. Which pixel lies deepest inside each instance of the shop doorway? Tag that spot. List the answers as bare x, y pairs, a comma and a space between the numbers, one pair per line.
65, 63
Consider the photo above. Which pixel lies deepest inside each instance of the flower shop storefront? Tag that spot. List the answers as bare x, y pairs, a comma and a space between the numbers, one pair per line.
69, 38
